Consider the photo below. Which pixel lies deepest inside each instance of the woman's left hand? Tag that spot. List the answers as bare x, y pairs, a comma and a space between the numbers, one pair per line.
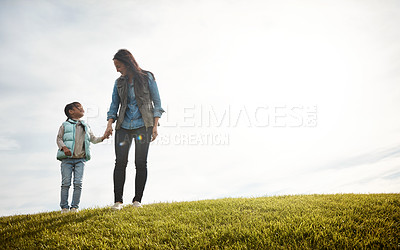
154, 134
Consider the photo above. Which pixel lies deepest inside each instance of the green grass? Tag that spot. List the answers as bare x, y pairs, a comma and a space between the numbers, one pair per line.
300, 221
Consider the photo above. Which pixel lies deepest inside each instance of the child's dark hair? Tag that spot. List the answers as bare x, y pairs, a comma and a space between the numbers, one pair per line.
69, 107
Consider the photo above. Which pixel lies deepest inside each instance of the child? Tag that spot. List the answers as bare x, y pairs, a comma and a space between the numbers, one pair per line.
73, 140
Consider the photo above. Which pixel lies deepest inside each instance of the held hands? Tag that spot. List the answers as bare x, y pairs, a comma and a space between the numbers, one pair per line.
66, 150
109, 129
108, 132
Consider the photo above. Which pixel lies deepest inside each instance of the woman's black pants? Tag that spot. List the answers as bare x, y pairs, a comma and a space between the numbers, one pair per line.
123, 142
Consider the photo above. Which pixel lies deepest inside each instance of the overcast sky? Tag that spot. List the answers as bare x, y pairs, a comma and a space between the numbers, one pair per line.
262, 97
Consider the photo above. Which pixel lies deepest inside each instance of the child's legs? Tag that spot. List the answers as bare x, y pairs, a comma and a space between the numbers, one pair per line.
78, 176
66, 174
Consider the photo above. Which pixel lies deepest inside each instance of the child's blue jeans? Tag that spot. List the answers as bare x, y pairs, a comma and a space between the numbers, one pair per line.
69, 166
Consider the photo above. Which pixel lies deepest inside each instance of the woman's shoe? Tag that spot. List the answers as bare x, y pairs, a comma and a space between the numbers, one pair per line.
136, 204
117, 206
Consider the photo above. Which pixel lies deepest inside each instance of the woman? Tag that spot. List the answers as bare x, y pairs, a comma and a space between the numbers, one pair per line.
134, 94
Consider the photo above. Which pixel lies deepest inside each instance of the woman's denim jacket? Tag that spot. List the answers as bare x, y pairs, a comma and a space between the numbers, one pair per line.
144, 97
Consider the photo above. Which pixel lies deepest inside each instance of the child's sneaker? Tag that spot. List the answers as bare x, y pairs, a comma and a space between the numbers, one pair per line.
117, 206
64, 210
74, 210
136, 204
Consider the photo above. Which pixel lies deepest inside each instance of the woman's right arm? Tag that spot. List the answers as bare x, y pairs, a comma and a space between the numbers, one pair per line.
109, 129
112, 112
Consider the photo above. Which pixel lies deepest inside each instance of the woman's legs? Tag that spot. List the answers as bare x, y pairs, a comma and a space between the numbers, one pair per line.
142, 142
123, 142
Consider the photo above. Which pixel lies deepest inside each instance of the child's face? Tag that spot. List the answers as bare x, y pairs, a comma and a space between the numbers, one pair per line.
77, 112
120, 67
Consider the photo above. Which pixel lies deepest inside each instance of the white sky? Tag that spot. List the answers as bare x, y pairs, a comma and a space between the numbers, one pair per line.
294, 97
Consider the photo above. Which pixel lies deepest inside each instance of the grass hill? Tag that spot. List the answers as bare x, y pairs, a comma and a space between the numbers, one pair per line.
299, 221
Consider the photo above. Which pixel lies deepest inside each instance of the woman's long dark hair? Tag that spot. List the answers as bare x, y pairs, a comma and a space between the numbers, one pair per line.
127, 58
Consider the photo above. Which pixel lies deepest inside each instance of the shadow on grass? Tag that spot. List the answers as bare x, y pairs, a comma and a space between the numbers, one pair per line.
32, 226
